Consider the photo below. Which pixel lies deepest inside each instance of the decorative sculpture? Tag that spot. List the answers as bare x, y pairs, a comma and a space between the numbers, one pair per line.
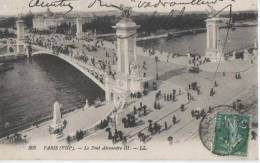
212, 12
125, 11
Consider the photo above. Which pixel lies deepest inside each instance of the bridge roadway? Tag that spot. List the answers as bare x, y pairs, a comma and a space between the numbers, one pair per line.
180, 60
96, 75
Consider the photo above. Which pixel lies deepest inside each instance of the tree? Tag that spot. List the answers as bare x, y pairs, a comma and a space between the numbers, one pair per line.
8, 22
28, 21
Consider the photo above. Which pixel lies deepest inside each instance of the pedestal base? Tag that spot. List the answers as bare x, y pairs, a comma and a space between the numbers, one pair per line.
214, 56
20, 49
79, 35
136, 86
57, 126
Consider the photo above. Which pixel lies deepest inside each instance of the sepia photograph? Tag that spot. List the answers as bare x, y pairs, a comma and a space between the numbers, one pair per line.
129, 80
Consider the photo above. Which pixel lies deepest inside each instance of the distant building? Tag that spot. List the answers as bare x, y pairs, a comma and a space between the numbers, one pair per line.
49, 20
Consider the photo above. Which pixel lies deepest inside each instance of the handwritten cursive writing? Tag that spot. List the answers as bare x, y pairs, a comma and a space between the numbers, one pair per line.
57, 3
100, 3
159, 3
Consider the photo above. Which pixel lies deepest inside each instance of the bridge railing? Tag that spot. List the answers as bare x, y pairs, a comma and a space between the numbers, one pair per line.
96, 67
96, 72
230, 51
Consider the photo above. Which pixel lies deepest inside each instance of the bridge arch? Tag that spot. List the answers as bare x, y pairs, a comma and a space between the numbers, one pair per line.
91, 74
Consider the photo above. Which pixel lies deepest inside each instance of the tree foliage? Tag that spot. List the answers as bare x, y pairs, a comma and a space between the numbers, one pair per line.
28, 21
149, 23
6, 34
8, 22
154, 22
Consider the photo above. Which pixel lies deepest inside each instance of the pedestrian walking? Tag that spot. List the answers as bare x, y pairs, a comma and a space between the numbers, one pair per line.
215, 84
135, 110
155, 105
210, 109
173, 92
253, 134
145, 109
165, 125
192, 113
179, 91
182, 108
212, 92
234, 105
174, 120
173, 98
239, 76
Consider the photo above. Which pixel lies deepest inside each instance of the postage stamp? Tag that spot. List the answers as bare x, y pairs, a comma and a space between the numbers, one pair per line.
231, 134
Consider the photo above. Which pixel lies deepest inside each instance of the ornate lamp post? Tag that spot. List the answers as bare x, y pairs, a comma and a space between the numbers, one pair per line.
156, 63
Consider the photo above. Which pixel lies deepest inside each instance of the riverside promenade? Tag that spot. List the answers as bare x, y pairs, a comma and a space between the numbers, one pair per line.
80, 119
185, 133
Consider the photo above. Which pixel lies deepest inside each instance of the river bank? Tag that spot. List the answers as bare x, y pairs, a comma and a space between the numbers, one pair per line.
11, 57
5, 67
30, 89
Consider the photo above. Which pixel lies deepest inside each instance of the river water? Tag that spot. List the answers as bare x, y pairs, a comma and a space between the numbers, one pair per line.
241, 37
29, 91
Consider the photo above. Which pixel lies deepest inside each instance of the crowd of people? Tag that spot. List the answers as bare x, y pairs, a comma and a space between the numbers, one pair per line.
196, 60
141, 110
117, 136
171, 96
77, 49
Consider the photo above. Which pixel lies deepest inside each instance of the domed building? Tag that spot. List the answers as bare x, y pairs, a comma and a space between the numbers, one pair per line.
49, 20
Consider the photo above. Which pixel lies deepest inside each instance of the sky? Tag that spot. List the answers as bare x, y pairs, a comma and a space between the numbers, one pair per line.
15, 7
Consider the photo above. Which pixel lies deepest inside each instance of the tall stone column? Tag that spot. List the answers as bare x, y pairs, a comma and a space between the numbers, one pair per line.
20, 36
79, 27
214, 51
126, 31
128, 74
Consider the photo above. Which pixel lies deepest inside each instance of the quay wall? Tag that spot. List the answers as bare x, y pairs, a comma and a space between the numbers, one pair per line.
11, 57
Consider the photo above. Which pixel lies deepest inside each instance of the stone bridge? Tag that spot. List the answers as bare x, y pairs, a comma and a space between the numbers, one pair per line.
96, 75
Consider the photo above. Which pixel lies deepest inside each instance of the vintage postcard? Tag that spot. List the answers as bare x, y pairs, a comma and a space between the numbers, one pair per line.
129, 79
